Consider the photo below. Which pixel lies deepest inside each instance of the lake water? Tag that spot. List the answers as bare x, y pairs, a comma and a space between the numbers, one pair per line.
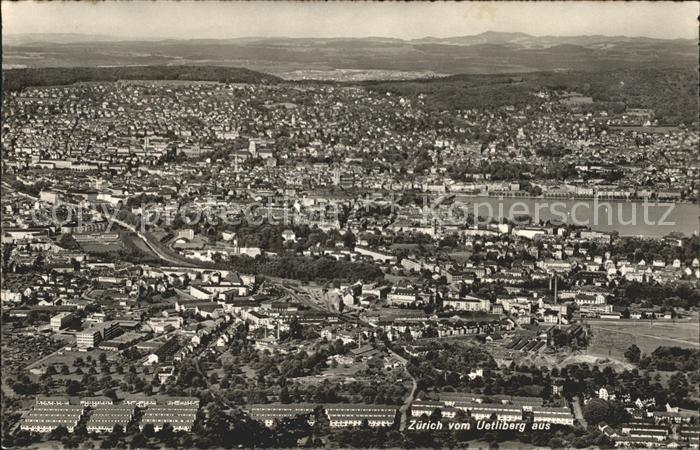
648, 219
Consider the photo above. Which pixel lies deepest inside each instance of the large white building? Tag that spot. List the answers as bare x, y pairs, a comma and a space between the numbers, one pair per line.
103, 418
467, 303
90, 337
61, 320
268, 413
180, 417
45, 418
484, 411
560, 416
352, 415
399, 296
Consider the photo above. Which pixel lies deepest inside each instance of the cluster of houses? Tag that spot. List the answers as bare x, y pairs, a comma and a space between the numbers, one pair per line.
103, 414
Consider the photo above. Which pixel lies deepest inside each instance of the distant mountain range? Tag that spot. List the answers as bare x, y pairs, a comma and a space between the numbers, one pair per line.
54, 38
490, 52
524, 40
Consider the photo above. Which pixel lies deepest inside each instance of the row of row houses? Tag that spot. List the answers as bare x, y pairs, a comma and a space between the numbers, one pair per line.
339, 415
499, 411
48, 413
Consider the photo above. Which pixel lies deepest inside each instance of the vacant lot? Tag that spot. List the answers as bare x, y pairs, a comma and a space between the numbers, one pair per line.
612, 338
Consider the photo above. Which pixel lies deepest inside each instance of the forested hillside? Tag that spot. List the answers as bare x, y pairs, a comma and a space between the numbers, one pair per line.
671, 93
16, 79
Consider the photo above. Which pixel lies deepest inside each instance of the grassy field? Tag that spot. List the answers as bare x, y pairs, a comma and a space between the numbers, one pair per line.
99, 247
612, 338
460, 256
68, 357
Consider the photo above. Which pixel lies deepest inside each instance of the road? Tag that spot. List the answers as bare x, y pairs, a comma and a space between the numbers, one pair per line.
86, 295
198, 367
409, 399
45, 358
578, 412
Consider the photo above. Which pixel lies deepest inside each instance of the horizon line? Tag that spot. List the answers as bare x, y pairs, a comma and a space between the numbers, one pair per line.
114, 38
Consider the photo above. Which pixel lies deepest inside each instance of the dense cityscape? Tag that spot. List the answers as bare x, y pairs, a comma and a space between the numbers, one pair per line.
326, 263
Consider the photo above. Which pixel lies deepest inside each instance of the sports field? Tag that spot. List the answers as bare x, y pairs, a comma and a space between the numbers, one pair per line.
612, 338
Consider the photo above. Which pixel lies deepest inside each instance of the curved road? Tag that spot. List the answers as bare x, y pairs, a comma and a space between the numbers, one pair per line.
578, 412
409, 400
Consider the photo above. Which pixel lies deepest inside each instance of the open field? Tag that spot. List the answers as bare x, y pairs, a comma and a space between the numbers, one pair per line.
612, 338
395, 279
101, 247
460, 256
68, 357
342, 373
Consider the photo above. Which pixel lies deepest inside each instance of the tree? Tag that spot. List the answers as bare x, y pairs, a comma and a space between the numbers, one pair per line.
73, 387
633, 354
149, 430
295, 329
166, 433
678, 385
118, 431
349, 240
461, 416
557, 442
596, 411
58, 433
284, 395
138, 441
111, 394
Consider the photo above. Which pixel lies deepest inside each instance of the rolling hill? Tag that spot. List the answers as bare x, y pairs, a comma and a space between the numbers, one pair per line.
489, 52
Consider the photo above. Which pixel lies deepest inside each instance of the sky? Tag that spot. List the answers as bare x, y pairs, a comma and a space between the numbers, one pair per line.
214, 19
